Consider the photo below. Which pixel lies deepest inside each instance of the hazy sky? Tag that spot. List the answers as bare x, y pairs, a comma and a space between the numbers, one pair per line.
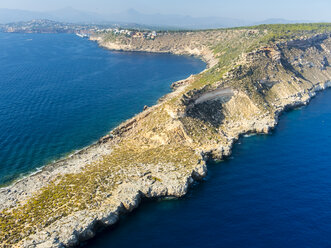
241, 9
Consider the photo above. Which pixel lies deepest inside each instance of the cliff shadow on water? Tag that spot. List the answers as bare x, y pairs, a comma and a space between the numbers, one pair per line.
254, 74
270, 192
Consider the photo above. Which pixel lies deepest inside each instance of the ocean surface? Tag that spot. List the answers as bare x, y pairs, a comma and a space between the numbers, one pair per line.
274, 191
59, 93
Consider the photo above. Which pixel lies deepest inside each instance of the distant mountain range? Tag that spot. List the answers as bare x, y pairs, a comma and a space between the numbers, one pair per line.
62, 15
281, 21
177, 21
132, 16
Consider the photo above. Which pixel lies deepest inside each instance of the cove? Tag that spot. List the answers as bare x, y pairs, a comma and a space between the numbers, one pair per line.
274, 191
60, 93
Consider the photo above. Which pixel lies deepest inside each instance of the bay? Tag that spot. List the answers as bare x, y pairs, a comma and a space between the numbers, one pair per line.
60, 93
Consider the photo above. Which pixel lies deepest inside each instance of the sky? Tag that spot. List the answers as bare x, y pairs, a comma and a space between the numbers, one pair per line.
314, 10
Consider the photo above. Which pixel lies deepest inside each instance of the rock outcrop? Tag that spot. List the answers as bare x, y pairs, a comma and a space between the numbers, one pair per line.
163, 150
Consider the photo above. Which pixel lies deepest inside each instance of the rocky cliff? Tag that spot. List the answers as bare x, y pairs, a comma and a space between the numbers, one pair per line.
160, 152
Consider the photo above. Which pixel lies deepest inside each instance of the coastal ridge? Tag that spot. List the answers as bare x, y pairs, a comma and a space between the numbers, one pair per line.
253, 75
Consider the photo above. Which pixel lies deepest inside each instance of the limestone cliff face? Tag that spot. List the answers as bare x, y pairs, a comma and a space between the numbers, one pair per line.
175, 43
162, 151
250, 96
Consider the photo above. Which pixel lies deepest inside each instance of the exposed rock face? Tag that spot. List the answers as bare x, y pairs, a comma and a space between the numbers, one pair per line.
185, 43
162, 151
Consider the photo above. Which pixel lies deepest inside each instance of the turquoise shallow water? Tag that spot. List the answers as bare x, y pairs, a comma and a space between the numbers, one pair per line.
274, 191
59, 93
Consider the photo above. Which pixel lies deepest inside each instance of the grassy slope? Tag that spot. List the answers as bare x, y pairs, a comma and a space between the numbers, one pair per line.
86, 190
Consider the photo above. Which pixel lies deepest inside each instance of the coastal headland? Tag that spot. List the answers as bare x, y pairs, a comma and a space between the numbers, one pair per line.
253, 75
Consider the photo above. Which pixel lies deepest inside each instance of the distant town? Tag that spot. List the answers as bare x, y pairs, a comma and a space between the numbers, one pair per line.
82, 30
130, 33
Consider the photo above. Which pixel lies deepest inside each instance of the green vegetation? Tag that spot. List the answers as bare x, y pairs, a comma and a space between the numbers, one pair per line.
279, 32
228, 51
85, 190
157, 139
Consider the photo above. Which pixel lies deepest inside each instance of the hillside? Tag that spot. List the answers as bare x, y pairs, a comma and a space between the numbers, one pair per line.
253, 75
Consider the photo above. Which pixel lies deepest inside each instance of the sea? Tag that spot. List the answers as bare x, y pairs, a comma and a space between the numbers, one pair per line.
274, 191
62, 93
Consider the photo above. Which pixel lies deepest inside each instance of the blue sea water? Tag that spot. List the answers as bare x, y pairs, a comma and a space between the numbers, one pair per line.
274, 191
59, 93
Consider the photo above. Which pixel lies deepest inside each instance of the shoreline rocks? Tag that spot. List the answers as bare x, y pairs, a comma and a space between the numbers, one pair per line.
206, 128
84, 225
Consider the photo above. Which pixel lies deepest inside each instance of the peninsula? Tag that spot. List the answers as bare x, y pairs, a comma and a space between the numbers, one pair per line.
253, 74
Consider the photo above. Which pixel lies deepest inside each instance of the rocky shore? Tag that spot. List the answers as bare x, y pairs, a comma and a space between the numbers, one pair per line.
163, 150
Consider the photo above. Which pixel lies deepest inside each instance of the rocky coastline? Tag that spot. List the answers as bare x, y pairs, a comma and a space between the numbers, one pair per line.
191, 125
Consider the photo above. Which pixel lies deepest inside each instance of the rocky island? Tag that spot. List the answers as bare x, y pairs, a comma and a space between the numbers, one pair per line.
253, 75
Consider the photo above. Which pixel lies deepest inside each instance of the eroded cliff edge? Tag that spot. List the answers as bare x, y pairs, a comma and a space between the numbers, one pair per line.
162, 150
